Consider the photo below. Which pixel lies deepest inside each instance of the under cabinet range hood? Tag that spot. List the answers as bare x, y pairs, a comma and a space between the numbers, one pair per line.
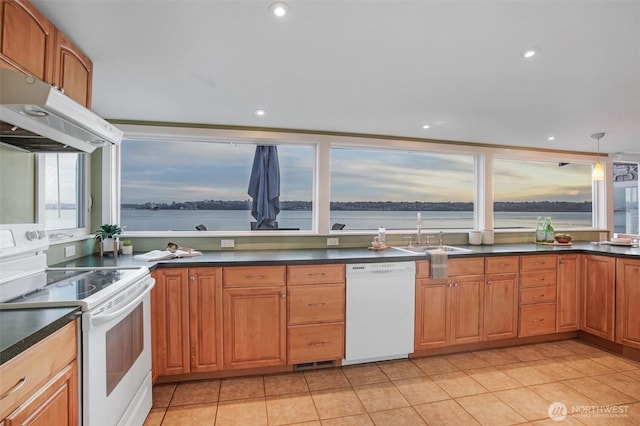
36, 117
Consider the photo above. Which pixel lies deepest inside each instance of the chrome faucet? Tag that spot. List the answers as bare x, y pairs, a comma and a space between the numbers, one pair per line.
419, 238
441, 239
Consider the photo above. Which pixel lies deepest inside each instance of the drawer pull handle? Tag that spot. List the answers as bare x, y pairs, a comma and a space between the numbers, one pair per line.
539, 296
538, 279
15, 388
255, 277
317, 343
502, 265
316, 274
538, 320
314, 305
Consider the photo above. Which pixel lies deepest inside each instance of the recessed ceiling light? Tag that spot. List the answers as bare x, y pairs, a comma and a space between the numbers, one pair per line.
551, 138
426, 126
260, 112
279, 9
530, 53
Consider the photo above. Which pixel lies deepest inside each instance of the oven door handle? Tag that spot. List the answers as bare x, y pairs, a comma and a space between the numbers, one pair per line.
100, 319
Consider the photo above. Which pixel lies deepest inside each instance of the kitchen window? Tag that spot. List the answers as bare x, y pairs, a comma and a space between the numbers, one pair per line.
184, 185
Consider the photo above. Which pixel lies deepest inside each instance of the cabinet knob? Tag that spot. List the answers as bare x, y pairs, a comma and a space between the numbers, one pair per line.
283, 296
561, 262
192, 277
489, 283
455, 285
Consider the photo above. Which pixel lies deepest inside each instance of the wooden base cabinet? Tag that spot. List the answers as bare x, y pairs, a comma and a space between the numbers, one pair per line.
598, 295
501, 298
568, 293
628, 297
538, 292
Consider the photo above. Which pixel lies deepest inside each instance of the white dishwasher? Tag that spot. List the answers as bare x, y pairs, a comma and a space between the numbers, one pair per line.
380, 311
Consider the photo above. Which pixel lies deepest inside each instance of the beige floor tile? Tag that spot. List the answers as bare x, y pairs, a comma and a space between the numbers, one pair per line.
586, 366
365, 374
458, 384
568, 421
556, 369
525, 374
489, 410
467, 361
622, 382
199, 414
337, 403
599, 392
446, 412
493, 379
525, 353
155, 416
316, 423
526, 402
291, 408
559, 392
420, 390
282, 384
241, 412
403, 369
633, 373
380, 396
359, 420
577, 346
162, 394
331, 378
197, 392
241, 388
496, 357
399, 416
434, 365
552, 350
613, 362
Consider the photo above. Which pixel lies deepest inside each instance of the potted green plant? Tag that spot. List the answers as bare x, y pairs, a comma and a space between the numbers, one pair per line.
127, 247
107, 235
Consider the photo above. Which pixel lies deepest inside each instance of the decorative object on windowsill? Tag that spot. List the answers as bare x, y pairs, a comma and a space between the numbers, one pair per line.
598, 170
107, 236
127, 247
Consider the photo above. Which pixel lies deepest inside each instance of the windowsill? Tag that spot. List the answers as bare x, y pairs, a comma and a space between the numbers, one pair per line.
67, 237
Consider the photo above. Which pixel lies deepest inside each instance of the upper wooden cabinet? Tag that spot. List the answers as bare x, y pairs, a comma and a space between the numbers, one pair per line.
628, 295
32, 45
598, 295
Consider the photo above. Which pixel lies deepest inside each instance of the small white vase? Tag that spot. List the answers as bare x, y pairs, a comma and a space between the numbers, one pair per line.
127, 249
108, 245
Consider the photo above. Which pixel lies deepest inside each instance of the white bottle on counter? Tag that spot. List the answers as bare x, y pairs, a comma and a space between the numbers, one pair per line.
382, 236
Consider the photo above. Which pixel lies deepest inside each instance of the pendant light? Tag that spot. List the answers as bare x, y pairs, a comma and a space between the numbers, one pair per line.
598, 170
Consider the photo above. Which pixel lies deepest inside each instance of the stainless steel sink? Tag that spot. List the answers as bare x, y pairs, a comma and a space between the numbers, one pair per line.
423, 249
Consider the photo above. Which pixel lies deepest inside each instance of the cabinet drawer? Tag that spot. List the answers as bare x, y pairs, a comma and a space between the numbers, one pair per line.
473, 266
423, 269
308, 304
538, 295
537, 319
253, 276
537, 279
315, 274
35, 367
312, 343
501, 264
537, 262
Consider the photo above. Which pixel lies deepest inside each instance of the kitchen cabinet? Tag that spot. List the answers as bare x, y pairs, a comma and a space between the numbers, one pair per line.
568, 293
315, 313
628, 295
42, 389
254, 316
73, 71
538, 292
188, 320
450, 311
28, 40
501, 298
598, 296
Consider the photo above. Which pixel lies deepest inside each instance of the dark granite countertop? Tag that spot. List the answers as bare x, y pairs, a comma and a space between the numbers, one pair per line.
22, 328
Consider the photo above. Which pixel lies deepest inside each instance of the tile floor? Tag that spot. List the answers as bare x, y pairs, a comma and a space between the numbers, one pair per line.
492, 387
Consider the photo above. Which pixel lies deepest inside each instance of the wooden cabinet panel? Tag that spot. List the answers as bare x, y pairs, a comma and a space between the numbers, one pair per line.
205, 319
253, 276
423, 269
73, 71
501, 306
598, 296
254, 327
501, 264
315, 274
28, 40
154, 309
315, 342
537, 319
538, 278
472, 266
537, 295
537, 262
313, 304
628, 296
432, 313
467, 304
568, 293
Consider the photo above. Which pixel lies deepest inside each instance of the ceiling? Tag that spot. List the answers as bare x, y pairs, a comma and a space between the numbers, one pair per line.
374, 67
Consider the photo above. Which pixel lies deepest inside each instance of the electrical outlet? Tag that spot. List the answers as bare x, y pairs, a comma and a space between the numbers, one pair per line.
69, 251
227, 244
333, 241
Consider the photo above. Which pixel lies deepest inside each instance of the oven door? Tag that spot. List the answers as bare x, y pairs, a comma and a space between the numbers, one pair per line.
116, 362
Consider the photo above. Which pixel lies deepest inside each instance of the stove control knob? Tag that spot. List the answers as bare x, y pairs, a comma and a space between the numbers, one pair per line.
32, 235
42, 234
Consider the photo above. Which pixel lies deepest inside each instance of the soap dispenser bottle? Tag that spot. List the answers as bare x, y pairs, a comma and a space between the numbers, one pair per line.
382, 236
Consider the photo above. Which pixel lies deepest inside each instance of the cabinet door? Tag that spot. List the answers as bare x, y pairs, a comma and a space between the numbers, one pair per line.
598, 296
27, 40
628, 295
500, 306
467, 305
205, 319
154, 328
254, 327
568, 296
172, 333
432, 313
73, 71
56, 403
